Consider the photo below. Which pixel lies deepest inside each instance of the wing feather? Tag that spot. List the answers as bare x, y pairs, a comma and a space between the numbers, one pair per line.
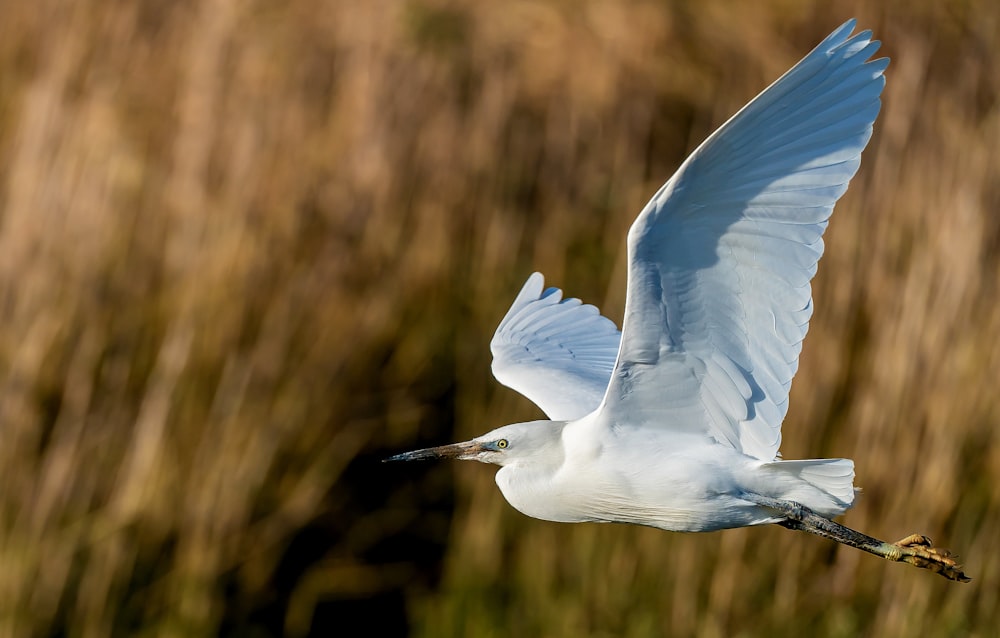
557, 352
721, 259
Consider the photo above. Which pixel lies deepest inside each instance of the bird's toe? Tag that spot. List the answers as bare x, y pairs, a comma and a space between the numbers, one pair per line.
914, 540
918, 550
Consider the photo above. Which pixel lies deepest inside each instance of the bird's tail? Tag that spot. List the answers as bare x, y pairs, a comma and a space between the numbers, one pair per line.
825, 486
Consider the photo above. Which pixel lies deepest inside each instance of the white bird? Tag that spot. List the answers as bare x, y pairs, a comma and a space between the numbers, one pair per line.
675, 422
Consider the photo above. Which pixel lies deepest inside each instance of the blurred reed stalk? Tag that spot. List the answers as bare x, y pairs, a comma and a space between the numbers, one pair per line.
246, 249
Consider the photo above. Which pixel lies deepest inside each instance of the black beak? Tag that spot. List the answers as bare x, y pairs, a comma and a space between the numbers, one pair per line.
453, 451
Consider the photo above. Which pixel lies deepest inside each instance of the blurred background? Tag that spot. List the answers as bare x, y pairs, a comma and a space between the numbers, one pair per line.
249, 249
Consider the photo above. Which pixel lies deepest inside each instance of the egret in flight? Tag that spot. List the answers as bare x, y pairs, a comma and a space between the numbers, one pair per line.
675, 422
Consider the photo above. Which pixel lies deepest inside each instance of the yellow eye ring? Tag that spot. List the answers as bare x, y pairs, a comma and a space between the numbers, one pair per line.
502, 444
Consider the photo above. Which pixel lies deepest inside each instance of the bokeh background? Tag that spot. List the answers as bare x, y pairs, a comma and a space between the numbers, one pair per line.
248, 249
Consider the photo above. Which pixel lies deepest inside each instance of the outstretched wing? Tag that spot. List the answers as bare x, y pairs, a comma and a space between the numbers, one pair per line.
557, 352
720, 260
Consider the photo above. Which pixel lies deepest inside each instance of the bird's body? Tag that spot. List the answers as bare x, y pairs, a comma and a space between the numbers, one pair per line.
675, 422
693, 488
588, 472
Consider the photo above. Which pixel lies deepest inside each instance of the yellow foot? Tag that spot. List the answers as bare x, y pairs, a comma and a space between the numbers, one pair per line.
917, 549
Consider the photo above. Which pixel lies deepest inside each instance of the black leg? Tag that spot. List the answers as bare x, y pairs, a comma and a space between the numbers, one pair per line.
914, 549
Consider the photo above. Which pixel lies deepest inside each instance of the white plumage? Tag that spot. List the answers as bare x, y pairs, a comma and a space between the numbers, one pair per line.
557, 352
676, 421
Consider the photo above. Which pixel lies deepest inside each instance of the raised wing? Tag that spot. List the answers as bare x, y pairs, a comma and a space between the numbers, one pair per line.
721, 258
557, 352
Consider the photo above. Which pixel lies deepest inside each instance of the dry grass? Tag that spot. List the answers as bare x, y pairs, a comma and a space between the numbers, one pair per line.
248, 248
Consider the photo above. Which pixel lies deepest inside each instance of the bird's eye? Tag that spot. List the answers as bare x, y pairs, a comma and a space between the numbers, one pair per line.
502, 444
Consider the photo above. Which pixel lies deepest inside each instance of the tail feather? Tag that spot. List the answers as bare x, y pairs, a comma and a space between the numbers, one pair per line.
825, 486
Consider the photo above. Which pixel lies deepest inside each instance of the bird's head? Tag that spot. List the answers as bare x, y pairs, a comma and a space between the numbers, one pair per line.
502, 446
